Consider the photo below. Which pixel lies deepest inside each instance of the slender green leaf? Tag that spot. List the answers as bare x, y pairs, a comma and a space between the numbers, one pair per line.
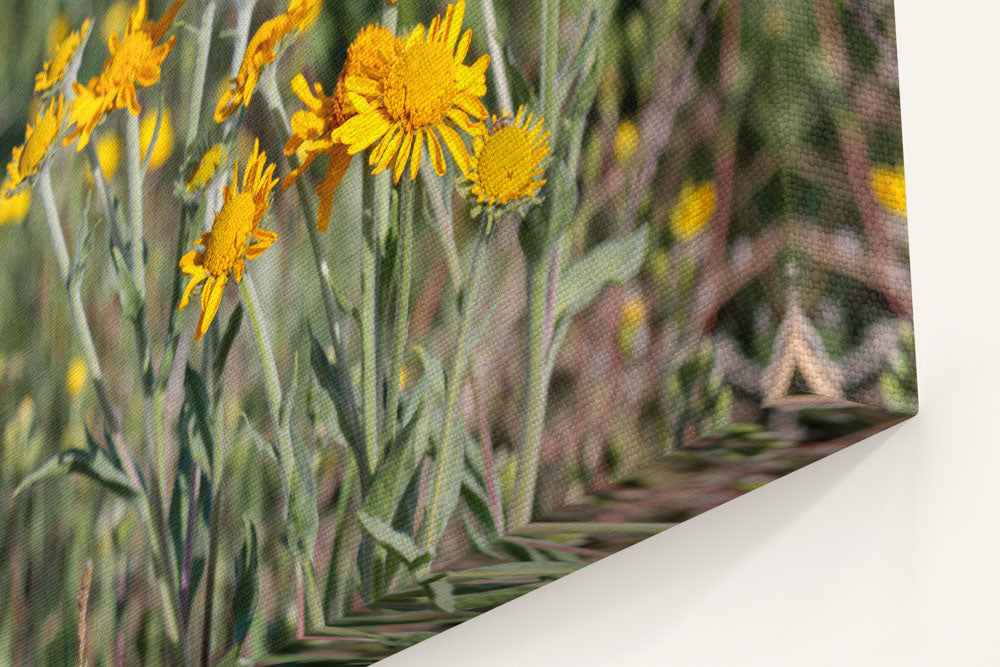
392, 539
92, 462
616, 261
245, 588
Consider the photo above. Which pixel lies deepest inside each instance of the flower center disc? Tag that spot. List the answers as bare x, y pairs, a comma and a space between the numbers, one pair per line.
420, 88
38, 143
505, 164
229, 234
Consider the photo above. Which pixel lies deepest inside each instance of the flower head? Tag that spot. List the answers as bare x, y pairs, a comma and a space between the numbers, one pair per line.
109, 155
226, 248
508, 162
203, 171
27, 158
889, 187
76, 377
13, 206
371, 51
263, 50
135, 61
425, 91
626, 141
693, 210
164, 138
633, 312
54, 70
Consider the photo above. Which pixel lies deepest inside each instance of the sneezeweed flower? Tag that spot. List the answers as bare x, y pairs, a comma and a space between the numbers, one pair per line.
693, 210
424, 92
202, 172
889, 187
226, 249
164, 138
27, 158
262, 50
13, 206
507, 165
135, 61
109, 155
76, 377
372, 50
633, 313
65, 51
626, 141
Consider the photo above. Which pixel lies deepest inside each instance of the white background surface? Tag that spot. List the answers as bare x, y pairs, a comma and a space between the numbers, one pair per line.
887, 553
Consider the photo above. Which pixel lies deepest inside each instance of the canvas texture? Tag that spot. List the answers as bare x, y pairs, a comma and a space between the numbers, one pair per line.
325, 327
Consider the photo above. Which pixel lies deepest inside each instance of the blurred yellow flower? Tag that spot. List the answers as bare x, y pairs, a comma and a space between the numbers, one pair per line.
58, 30
371, 51
226, 244
13, 207
427, 88
53, 70
633, 312
202, 173
507, 163
693, 210
626, 141
28, 157
115, 20
403, 376
164, 139
263, 50
135, 61
889, 187
109, 153
76, 377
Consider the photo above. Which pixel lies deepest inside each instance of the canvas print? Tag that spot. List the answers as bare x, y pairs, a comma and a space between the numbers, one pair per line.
326, 326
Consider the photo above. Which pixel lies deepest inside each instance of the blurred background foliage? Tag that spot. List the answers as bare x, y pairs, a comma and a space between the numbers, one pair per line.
760, 140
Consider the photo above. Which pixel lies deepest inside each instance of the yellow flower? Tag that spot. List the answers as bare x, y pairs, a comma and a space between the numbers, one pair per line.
426, 88
262, 51
27, 158
57, 32
109, 153
303, 13
633, 313
371, 51
135, 60
202, 173
693, 210
53, 70
76, 377
164, 139
226, 245
115, 19
13, 207
889, 187
507, 164
626, 141
404, 376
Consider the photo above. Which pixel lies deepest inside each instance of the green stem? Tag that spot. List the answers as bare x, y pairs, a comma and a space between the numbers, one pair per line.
403, 256
200, 69
550, 63
154, 531
272, 385
210, 567
133, 163
103, 196
444, 487
390, 14
497, 65
369, 335
535, 395
286, 455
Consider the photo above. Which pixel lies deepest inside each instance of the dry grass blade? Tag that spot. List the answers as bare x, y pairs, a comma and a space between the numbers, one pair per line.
82, 599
